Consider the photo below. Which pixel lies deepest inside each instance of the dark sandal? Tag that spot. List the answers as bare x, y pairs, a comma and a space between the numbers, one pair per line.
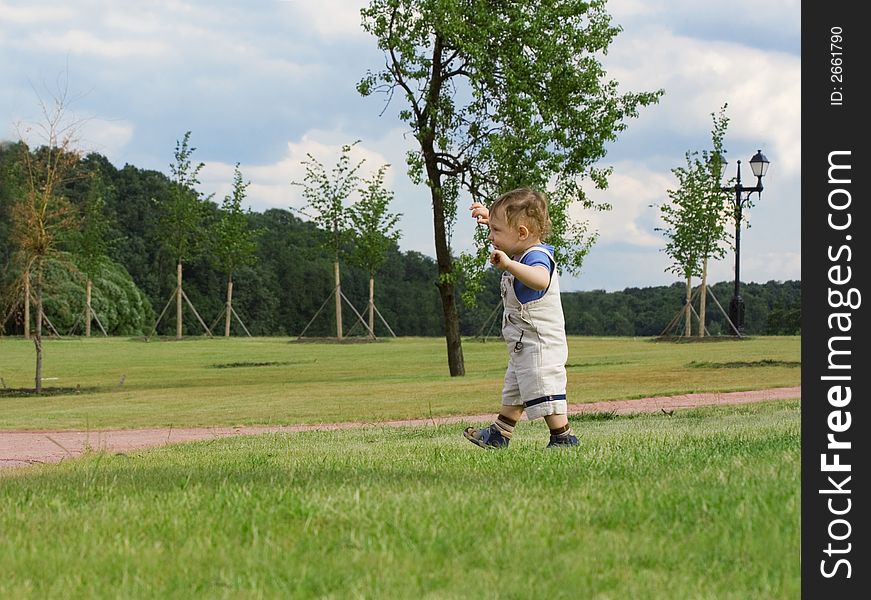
486, 438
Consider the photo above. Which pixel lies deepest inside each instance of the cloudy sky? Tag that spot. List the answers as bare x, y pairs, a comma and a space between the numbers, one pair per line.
264, 83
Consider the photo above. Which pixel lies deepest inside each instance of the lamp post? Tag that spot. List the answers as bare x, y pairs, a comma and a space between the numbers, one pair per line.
759, 165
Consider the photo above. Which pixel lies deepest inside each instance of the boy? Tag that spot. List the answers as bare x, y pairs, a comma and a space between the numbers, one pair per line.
533, 326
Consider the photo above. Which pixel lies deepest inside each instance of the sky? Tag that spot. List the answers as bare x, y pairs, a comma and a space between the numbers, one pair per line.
267, 83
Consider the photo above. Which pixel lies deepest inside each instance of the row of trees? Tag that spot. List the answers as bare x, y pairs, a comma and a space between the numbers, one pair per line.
81, 232
773, 308
55, 220
360, 232
290, 276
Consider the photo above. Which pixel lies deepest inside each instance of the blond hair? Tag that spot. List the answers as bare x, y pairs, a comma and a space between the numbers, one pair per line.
524, 206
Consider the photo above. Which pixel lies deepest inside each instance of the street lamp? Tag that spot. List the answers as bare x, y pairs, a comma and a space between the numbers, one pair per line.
759, 165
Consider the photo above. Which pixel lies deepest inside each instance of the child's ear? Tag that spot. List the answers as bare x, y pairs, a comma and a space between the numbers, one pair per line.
523, 232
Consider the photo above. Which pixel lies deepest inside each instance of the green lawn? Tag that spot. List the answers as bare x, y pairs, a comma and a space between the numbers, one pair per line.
244, 381
701, 504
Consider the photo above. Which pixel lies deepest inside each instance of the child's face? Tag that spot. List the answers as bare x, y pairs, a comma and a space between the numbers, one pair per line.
511, 240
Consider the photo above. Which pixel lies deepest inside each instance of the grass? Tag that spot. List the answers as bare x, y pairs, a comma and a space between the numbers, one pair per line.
702, 504
125, 383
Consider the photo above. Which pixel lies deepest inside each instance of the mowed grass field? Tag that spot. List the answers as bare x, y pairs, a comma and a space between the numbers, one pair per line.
704, 503
128, 383
701, 504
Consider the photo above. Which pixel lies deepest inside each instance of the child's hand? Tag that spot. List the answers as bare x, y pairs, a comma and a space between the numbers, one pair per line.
480, 213
499, 259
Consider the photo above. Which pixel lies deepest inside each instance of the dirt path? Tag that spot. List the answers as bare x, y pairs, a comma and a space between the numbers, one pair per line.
18, 448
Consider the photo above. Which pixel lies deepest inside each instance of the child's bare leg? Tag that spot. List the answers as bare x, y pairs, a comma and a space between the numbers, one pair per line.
511, 411
507, 420
556, 421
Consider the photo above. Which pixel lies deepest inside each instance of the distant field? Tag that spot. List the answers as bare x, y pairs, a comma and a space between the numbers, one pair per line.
245, 381
701, 504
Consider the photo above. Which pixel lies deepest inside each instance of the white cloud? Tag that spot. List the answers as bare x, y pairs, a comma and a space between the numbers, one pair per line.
757, 266
762, 89
77, 41
632, 189
109, 138
688, 15
34, 13
271, 184
331, 18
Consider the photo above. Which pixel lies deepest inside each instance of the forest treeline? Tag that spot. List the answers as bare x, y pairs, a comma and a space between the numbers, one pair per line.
292, 279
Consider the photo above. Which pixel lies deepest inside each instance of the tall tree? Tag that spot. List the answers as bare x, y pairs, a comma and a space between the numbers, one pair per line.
234, 244
696, 216
499, 95
327, 193
43, 217
375, 231
182, 217
680, 216
91, 241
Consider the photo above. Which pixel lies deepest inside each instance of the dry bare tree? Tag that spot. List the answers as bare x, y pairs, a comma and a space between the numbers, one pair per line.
42, 217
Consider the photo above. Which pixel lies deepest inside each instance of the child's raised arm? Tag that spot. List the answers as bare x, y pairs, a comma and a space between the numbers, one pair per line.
480, 213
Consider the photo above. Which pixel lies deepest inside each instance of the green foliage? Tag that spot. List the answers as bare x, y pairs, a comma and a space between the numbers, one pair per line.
696, 215
509, 93
119, 305
233, 243
90, 242
773, 308
327, 194
373, 225
282, 290
182, 207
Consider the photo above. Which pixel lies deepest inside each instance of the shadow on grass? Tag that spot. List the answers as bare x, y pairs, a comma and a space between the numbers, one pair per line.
741, 364
46, 391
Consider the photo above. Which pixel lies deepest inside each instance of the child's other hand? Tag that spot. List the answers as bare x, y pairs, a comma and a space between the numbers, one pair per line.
480, 213
499, 259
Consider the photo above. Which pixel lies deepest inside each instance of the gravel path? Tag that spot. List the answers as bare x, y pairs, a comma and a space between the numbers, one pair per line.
22, 448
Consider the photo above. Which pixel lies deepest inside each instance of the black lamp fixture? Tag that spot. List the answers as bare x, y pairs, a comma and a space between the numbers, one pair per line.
759, 166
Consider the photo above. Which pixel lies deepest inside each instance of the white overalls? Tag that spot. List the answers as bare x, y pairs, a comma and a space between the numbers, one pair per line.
535, 335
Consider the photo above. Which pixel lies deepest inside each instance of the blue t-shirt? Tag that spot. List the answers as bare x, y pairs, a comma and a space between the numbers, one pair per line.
534, 258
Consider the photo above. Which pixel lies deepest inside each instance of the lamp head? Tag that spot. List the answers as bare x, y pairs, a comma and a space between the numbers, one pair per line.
759, 164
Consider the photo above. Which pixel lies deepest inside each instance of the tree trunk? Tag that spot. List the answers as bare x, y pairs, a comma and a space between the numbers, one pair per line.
88, 314
37, 337
178, 302
338, 301
446, 277
27, 304
229, 305
688, 315
371, 305
703, 294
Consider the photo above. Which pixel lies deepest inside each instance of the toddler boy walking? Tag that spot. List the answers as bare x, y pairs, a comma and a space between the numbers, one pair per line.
533, 325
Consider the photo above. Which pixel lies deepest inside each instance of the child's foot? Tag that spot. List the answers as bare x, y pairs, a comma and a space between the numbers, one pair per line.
486, 438
562, 441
